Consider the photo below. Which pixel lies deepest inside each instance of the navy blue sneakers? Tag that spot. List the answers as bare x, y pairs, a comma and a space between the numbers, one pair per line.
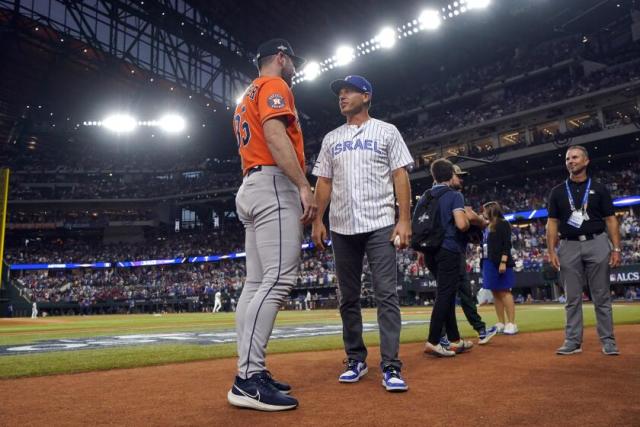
258, 392
282, 387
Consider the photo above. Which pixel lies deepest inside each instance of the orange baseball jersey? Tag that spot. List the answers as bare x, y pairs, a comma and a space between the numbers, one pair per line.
264, 99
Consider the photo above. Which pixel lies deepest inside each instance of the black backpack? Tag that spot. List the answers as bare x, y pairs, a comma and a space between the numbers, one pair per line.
426, 227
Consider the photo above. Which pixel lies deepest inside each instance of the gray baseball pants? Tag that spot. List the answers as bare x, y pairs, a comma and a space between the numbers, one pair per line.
268, 204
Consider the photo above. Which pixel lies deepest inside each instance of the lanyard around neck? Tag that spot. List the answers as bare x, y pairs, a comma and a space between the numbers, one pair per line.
585, 197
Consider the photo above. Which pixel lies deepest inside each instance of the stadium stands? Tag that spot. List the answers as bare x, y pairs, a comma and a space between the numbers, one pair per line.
48, 230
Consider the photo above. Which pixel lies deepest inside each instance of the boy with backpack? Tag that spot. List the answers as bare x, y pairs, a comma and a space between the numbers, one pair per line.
439, 222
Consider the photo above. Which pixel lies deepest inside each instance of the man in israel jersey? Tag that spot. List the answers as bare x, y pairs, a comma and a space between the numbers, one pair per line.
359, 165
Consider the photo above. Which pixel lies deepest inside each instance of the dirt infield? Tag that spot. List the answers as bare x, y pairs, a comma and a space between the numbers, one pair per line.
512, 381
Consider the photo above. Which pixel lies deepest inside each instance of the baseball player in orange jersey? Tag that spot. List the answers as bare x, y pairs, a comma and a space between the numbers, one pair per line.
273, 202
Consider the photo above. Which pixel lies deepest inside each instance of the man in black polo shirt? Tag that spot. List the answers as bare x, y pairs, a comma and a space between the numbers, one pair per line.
580, 210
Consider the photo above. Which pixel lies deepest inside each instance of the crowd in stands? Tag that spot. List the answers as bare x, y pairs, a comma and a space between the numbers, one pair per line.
529, 249
479, 76
519, 193
119, 185
620, 66
532, 93
157, 245
630, 234
126, 186
125, 284
200, 280
78, 216
42, 174
97, 159
317, 269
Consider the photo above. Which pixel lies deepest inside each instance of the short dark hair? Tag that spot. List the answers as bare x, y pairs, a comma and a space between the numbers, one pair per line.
266, 60
580, 148
442, 170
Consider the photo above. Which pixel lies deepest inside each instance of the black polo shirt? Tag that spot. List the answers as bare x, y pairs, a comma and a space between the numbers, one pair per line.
599, 206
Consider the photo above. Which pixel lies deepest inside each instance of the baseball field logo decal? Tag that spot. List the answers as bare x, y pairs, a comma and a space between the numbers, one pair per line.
201, 338
276, 101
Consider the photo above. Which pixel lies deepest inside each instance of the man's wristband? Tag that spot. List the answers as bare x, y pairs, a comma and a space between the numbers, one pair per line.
617, 250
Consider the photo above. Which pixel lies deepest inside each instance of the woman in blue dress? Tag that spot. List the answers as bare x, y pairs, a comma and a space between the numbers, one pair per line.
497, 266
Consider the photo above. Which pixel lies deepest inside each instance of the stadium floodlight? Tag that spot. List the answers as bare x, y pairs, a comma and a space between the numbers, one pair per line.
119, 123
311, 70
239, 99
386, 37
429, 19
478, 4
344, 55
172, 123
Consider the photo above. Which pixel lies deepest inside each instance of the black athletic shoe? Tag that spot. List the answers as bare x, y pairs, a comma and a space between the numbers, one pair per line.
282, 387
259, 393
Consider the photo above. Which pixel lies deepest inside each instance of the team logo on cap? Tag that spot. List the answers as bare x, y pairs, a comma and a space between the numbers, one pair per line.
276, 101
283, 47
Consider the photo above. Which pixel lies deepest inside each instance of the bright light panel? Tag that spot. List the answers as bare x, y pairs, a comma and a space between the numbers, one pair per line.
311, 70
172, 123
478, 4
429, 20
344, 55
120, 123
386, 37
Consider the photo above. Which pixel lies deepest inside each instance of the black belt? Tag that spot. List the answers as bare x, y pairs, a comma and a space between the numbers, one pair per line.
254, 169
582, 237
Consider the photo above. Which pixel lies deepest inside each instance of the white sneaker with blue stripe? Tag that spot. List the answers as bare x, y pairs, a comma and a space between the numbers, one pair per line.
392, 380
354, 370
444, 342
485, 335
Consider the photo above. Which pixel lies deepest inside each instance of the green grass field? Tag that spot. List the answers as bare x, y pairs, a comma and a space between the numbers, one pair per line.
530, 318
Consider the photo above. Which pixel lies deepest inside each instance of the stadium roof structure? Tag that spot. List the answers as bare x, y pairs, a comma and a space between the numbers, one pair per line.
196, 55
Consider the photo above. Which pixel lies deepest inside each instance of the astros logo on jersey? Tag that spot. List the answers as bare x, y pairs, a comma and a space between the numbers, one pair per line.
266, 98
276, 101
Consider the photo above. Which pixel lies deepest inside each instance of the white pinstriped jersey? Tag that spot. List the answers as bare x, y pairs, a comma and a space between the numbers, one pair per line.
360, 161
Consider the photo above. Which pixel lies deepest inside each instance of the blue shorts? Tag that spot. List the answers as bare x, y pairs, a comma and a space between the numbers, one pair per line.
493, 280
